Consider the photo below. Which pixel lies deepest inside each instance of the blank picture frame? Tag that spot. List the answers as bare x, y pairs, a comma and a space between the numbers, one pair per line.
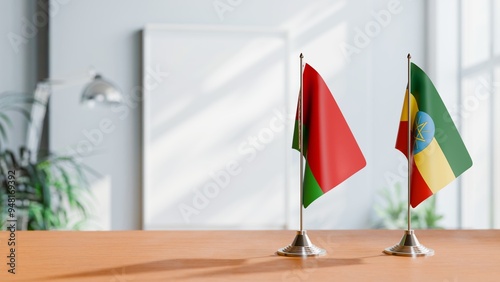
216, 127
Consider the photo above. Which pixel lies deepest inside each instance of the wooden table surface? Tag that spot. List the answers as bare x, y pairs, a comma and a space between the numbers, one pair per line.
461, 255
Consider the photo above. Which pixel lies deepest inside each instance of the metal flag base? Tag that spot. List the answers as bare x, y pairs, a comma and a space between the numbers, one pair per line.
301, 247
409, 247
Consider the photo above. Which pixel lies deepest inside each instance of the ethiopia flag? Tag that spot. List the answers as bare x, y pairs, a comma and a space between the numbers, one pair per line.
330, 149
438, 153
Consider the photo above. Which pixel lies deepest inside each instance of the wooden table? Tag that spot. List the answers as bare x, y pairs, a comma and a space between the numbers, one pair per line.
461, 255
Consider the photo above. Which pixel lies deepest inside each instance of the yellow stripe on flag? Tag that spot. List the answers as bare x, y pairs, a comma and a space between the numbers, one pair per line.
413, 106
434, 167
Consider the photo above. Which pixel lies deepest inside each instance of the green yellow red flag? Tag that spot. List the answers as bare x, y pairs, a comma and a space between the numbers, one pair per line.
438, 154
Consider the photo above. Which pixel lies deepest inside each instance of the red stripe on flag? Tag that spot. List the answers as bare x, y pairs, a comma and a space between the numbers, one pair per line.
402, 139
333, 154
419, 189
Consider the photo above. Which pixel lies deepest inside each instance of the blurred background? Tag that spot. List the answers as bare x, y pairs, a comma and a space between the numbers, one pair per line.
202, 136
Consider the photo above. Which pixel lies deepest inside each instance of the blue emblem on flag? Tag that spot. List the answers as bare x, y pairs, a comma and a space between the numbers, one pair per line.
423, 131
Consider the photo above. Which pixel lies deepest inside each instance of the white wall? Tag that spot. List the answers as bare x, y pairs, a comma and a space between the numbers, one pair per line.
444, 68
17, 57
369, 86
463, 61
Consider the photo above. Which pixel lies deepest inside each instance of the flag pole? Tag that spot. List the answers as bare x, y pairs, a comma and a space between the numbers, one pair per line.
409, 246
301, 245
410, 125
301, 140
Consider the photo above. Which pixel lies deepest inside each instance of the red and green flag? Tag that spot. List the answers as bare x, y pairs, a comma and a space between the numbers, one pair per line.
438, 154
331, 152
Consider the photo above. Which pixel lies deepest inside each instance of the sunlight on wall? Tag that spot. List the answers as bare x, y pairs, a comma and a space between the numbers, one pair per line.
100, 215
477, 181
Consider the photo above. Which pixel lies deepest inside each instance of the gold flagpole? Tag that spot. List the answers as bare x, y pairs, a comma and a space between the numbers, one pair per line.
409, 246
301, 245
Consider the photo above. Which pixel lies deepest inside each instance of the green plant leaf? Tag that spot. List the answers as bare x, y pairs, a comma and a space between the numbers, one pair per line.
54, 186
392, 213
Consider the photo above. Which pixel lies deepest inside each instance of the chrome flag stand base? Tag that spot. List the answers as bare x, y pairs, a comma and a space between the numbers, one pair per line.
301, 247
409, 247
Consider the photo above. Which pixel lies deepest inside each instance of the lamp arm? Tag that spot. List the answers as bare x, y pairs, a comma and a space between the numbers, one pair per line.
38, 110
99, 88
72, 81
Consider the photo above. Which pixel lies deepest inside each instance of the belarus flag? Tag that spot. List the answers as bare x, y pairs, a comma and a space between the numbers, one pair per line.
330, 149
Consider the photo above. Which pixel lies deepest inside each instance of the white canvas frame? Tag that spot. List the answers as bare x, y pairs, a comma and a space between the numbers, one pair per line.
259, 206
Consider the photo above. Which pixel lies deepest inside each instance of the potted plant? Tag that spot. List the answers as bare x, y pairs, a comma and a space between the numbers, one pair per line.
393, 214
49, 193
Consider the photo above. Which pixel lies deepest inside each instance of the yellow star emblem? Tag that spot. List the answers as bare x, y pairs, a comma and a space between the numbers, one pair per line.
419, 134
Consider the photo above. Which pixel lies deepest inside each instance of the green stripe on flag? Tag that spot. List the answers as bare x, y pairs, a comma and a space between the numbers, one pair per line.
447, 135
312, 191
295, 142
